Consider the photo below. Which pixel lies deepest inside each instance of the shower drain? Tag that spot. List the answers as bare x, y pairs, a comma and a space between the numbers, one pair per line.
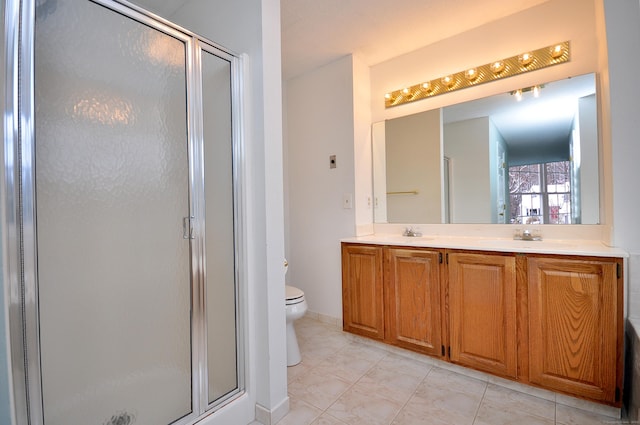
121, 419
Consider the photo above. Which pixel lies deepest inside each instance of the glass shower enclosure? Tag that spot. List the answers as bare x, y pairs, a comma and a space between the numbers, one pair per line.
123, 172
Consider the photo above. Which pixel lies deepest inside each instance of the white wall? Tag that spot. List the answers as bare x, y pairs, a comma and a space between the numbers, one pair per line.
379, 172
622, 18
467, 145
320, 116
499, 175
589, 172
414, 163
362, 146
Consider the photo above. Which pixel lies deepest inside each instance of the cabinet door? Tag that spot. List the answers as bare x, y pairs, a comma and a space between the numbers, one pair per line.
412, 299
362, 303
482, 316
575, 326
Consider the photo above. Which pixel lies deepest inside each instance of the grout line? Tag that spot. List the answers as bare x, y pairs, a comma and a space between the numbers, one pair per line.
412, 395
486, 385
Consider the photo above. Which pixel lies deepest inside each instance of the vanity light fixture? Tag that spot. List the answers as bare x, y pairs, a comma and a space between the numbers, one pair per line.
525, 62
533, 89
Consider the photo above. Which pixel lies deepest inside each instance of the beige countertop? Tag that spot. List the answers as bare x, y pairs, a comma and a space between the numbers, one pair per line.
547, 246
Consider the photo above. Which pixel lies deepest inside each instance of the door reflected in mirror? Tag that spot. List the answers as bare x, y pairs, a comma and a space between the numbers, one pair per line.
529, 156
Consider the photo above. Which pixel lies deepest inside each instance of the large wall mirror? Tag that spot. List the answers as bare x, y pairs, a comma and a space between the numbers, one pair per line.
529, 156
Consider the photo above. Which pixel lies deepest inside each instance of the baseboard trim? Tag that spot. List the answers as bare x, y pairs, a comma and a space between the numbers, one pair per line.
329, 320
271, 417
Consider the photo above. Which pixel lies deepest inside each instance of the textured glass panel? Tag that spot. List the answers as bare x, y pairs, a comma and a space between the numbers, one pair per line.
220, 276
111, 191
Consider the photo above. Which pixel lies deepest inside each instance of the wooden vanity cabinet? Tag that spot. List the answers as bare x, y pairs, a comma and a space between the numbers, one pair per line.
413, 308
553, 321
575, 325
362, 291
482, 312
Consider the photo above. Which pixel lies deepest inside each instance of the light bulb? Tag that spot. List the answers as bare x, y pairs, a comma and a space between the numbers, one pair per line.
497, 67
525, 59
519, 95
471, 74
556, 51
536, 91
447, 80
426, 86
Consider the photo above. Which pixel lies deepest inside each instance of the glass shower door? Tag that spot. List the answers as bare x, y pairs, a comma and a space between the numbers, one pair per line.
112, 190
219, 239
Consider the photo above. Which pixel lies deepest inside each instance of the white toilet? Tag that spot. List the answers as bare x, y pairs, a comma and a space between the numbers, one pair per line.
296, 308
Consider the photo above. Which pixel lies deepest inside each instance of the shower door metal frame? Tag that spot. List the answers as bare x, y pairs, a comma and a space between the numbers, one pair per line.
17, 205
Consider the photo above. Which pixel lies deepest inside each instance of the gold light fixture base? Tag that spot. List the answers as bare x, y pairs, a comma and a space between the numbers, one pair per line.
519, 64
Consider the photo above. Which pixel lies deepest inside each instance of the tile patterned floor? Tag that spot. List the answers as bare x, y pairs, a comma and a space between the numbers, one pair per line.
347, 380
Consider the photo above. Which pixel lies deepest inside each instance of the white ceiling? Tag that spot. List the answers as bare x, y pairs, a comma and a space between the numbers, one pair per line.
317, 32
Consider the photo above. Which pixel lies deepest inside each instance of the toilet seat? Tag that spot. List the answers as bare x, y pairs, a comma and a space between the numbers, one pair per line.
294, 295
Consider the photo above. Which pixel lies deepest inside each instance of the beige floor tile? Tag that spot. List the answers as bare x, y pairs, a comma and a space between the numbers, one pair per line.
446, 396
317, 353
439, 379
389, 383
588, 406
507, 400
294, 372
405, 365
360, 407
419, 411
566, 415
345, 366
363, 351
523, 388
492, 416
300, 413
319, 390
327, 419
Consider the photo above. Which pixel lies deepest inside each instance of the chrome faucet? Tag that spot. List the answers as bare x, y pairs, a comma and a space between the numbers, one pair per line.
527, 235
411, 233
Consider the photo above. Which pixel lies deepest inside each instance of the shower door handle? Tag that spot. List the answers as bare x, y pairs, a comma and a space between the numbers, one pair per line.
187, 227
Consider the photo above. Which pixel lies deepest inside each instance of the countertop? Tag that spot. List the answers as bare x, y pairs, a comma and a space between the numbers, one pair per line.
546, 246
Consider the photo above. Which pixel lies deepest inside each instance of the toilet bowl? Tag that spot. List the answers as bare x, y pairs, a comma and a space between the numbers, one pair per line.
296, 307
